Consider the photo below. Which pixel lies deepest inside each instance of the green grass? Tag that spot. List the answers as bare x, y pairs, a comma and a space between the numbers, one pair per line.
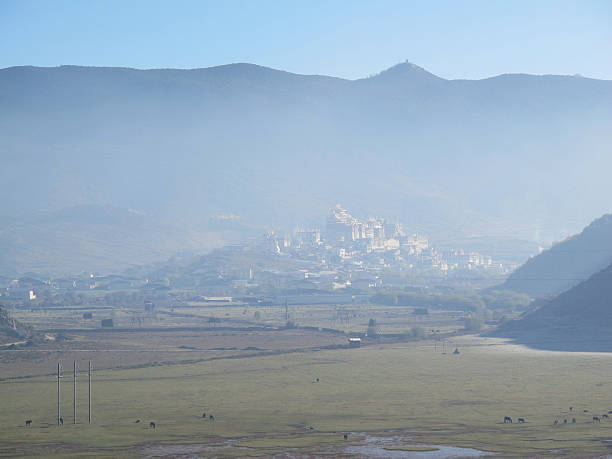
432, 398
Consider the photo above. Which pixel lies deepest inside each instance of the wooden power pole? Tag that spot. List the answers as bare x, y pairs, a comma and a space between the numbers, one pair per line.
74, 393
59, 410
89, 392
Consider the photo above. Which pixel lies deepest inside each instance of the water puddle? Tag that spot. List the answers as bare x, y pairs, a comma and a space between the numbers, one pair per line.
384, 447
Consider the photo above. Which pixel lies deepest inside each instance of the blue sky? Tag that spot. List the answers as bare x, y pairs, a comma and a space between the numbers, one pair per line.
350, 39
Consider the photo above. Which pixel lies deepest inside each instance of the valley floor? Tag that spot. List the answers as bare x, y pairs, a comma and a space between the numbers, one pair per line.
403, 400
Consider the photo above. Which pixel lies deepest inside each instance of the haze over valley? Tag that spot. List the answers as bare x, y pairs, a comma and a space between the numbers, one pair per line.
451, 158
220, 238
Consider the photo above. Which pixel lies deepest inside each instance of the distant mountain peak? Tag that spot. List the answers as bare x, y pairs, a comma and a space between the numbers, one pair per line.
408, 71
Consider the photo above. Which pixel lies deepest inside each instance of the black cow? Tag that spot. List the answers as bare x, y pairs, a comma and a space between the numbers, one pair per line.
565, 421
211, 417
555, 423
61, 421
203, 415
507, 419
137, 421
571, 408
596, 419
573, 420
521, 420
28, 423
605, 416
152, 424
346, 436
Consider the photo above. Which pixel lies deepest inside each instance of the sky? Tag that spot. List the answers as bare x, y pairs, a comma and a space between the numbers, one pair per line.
349, 39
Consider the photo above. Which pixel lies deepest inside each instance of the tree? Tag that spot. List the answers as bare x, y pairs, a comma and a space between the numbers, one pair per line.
372, 328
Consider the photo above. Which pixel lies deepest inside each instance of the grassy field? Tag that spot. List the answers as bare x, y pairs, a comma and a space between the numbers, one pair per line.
270, 404
348, 318
141, 347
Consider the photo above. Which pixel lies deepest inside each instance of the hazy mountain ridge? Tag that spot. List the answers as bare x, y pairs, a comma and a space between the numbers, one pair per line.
101, 239
567, 263
451, 157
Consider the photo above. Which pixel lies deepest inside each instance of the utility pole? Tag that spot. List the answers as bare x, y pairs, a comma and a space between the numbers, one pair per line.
59, 411
74, 394
89, 393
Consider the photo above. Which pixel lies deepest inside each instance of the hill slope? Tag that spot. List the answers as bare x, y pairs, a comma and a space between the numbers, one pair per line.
11, 330
566, 263
579, 319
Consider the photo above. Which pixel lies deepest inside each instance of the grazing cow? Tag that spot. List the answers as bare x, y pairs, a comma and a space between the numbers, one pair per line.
211, 417
152, 424
521, 420
507, 419
605, 416
555, 423
203, 415
571, 408
346, 436
61, 421
586, 411
565, 421
573, 420
28, 423
317, 379
596, 419
610, 412
137, 421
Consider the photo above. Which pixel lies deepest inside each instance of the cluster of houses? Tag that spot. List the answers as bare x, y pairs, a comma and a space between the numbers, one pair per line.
362, 250
345, 263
